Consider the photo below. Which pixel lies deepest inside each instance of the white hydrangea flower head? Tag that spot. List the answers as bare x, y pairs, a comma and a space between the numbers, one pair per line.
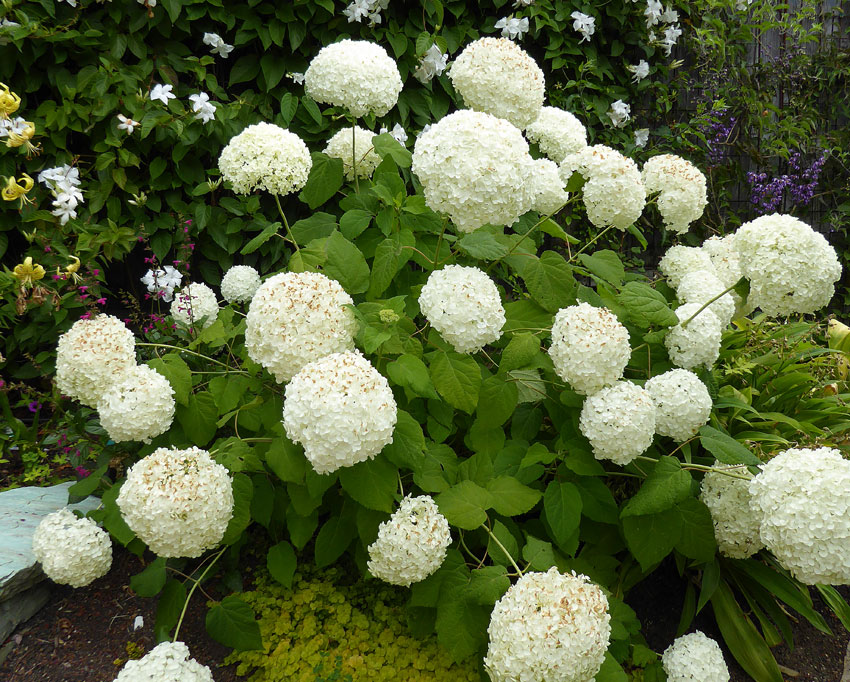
802, 502
736, 523
590, 347
724, 258
464, 305
364, 154
680, 260
613, 193
700, 286
548, 626
240, 283
166, 661
72, 551
341, 409
139, 406
475, 168
195, 304
296, 318
358, 75
682, 403
178, 502
619, 422
498, 77
92, 355
550, 193
699, 342
694, 658
557, 133
412, 544
682, 190
791, 268
265, 157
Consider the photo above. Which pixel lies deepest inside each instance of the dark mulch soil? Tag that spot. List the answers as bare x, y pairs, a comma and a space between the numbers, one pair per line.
816, 657
82, 635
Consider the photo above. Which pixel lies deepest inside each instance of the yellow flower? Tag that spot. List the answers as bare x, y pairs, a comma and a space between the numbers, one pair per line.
9, 101
17, 189
28, 273
19, 137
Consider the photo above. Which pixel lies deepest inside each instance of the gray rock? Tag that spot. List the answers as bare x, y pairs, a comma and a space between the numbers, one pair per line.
21, 607
21, 510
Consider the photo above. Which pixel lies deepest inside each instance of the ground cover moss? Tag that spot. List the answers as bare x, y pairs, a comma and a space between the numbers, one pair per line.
323, 629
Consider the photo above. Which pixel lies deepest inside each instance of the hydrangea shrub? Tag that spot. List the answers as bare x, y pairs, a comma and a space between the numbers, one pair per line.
476, 403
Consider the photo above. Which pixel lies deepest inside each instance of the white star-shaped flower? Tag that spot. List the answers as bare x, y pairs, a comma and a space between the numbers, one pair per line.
584, 24
162, 93
671, 35
397, 132
432, 64
641, 137
670, 16
512, 27
216, 42
640, 70
619, 113
127, 124
654, 10
203, 108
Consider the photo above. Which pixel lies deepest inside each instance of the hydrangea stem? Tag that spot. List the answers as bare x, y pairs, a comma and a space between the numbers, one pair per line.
526, 235
502, 547
708, 303
707, 469
195, 585
354, 155
286, 223
191, 352
589, 243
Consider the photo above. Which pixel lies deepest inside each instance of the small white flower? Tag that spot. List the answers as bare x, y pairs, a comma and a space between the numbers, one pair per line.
512, 27
640, 70
5, 23
654, 10
619, 113
641, 137
432, 64
65, 207
357, 10
397, 132
127, 124
162, 93
584, 24
523, 3
671, 35
297, 78
162, 282
139, 623
219, 47
670, 16
203, 108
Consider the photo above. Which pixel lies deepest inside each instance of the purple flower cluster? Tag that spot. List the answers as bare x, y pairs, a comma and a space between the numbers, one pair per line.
718, 133
797, 185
